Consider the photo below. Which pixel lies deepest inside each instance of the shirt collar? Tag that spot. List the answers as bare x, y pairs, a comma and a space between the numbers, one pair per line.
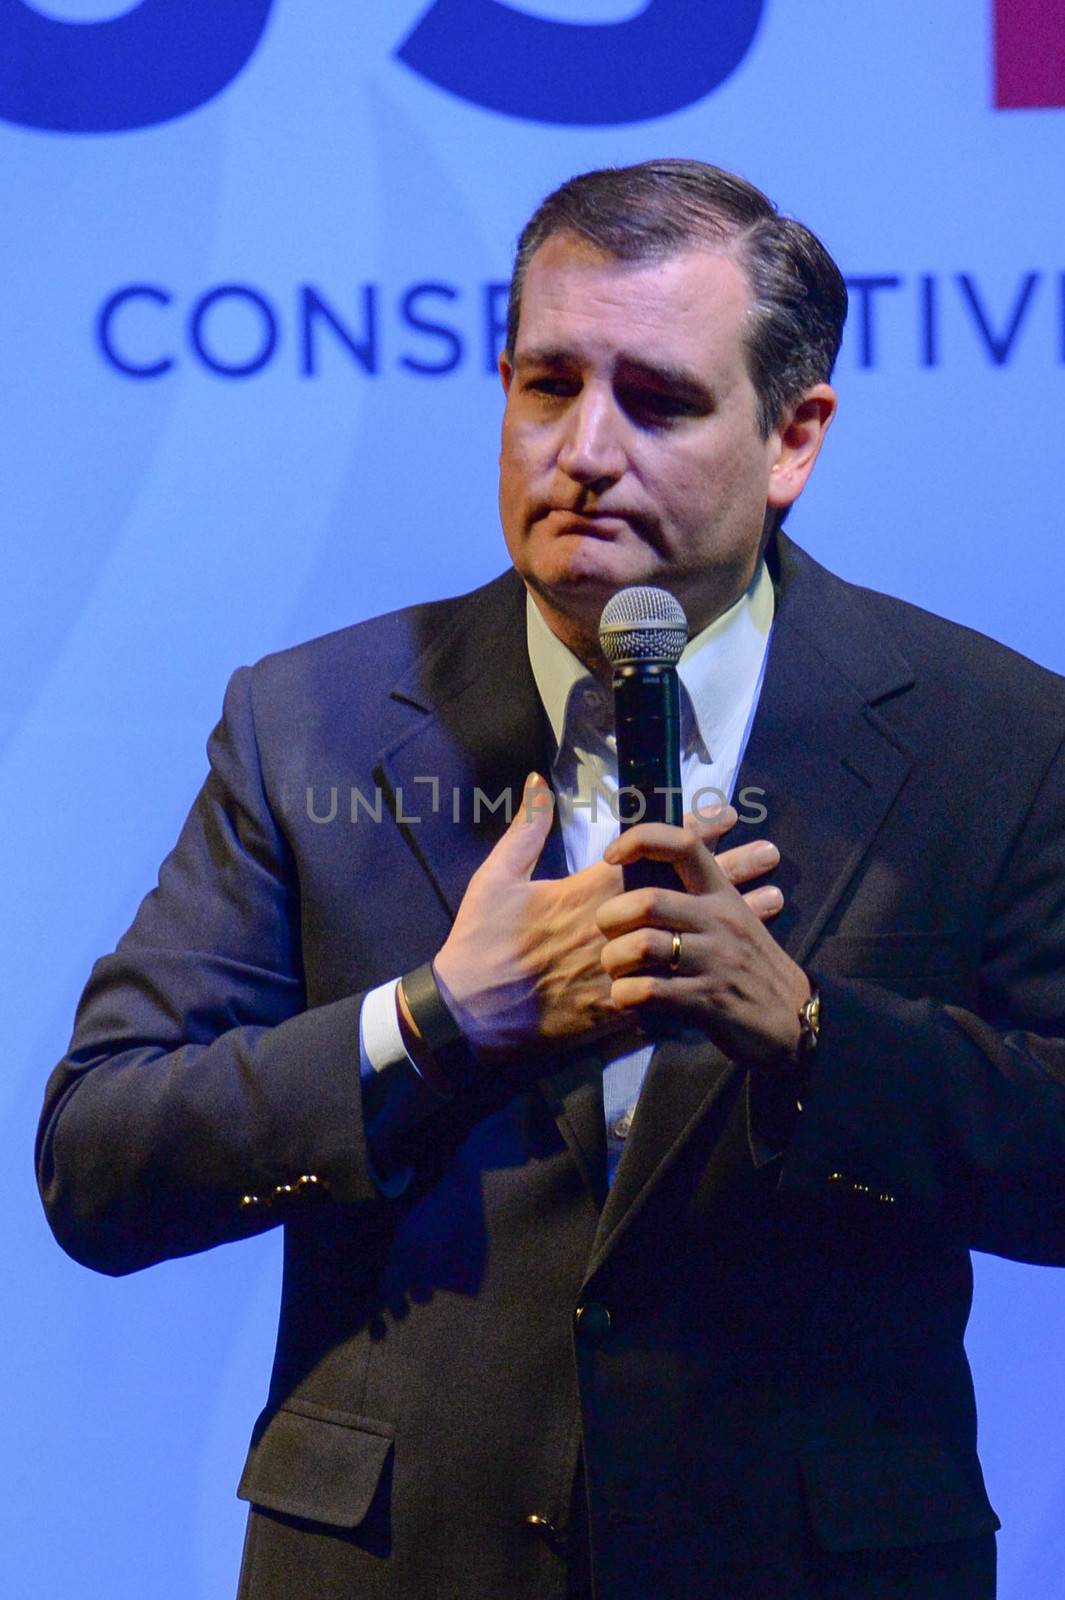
720, 667
718, 671
562, 679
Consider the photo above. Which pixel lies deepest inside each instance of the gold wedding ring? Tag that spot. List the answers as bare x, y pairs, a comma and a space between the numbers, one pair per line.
674, 954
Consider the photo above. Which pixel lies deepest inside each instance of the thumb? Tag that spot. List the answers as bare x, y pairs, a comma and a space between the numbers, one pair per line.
519, 849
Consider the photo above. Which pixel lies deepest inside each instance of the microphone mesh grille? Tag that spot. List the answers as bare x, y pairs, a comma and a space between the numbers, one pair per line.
643, 624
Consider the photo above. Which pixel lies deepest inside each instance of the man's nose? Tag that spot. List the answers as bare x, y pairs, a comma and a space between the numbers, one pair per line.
592, 452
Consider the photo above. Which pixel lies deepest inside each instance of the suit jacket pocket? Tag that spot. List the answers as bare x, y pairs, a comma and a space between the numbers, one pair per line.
901, 1493
312, 1462
939, 963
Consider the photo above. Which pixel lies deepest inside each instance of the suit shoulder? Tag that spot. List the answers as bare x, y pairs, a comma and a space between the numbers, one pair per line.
943, 651
375, 653
876, 636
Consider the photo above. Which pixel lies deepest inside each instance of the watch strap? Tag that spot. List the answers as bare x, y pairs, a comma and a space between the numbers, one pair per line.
440, 1053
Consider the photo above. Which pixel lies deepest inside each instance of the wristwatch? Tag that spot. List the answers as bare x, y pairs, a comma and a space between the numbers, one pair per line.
809, 1034
809, 1024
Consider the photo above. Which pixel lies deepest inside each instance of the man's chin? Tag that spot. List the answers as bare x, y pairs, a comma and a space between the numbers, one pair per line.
581, 582
583, 594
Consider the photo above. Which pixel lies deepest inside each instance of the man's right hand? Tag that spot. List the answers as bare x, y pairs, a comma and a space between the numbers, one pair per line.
521, 965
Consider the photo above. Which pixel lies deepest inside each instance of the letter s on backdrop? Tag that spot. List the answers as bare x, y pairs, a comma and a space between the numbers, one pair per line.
666, 58
165, 58
158, 61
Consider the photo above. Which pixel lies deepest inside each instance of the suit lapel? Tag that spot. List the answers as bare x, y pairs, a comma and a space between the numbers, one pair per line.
827, 768
821, 760
456, 777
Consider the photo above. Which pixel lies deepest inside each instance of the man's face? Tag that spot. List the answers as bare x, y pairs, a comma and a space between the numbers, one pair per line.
631, 451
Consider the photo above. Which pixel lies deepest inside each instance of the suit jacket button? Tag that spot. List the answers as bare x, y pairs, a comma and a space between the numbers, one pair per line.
547, 1531
593, 1321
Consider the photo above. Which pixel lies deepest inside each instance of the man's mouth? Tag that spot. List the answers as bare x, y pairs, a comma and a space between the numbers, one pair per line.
590, 524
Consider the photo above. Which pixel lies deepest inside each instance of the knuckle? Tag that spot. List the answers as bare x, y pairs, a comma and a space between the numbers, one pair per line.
649, 908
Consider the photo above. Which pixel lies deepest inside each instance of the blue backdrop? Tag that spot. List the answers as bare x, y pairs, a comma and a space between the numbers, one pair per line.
251, 296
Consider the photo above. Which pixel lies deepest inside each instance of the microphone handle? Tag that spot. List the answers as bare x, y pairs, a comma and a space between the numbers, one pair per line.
647, 730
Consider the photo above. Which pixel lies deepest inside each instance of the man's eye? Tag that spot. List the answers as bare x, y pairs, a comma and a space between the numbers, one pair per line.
555, 387
654, 405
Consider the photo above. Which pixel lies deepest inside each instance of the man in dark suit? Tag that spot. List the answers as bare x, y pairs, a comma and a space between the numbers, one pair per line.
528, 1345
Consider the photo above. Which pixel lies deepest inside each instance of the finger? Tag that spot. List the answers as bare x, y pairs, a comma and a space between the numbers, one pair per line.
518, 851
765, 902
673, 911
681, 847
662, 991
640, 989
649, 908
648, 950
743, 862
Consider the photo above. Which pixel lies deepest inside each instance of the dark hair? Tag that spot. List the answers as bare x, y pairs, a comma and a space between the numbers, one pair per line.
660, 208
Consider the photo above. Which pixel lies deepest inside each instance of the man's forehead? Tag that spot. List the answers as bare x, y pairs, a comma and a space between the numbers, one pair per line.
571, 250
574, 293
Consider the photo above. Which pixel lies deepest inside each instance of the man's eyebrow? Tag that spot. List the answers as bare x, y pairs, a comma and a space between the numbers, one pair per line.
544, 356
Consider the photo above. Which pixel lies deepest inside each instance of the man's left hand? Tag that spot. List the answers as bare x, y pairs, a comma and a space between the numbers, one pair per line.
732, 978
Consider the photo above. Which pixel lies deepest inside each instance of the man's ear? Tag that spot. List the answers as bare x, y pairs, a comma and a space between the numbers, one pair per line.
798, 439
506, 371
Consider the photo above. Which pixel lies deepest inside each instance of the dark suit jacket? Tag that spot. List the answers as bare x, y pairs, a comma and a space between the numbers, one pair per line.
768, 1371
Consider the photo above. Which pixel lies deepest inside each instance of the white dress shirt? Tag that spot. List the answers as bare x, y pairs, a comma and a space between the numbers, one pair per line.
720, 673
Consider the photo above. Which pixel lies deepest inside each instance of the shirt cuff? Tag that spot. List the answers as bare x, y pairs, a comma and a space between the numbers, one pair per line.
380, 1041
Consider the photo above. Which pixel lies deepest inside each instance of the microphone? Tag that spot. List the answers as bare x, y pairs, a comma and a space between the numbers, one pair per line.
642, 632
